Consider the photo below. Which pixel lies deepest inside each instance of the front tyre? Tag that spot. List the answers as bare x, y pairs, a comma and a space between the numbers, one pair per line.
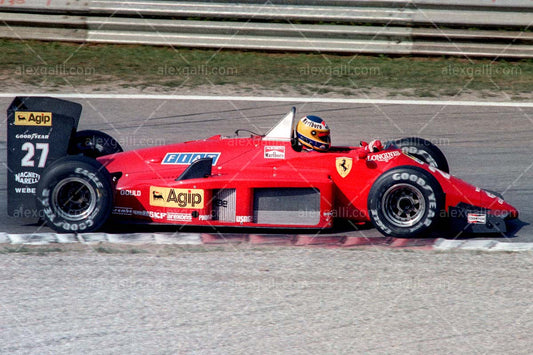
405, 202
424, 150
76, 195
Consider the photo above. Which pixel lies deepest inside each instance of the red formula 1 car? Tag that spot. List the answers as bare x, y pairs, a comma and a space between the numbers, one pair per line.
78, 184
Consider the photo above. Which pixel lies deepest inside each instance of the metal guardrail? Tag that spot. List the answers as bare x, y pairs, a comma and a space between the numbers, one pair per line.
425, 27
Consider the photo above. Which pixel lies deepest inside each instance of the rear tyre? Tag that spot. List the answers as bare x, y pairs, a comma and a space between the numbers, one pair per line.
424, 150
93, 144
405, 202
76, 195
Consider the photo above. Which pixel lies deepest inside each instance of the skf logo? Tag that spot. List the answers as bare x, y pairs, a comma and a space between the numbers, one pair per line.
344, 166
176, 198
33, 118
188, 158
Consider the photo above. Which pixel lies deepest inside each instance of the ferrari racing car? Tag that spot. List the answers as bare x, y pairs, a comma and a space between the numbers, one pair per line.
77, 181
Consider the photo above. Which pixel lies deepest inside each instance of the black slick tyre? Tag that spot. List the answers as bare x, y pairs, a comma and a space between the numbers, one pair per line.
75, 194
93, 144
424, 150
405, 202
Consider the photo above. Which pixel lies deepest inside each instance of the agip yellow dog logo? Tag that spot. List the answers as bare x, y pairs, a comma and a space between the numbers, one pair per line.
176, 198
33, 118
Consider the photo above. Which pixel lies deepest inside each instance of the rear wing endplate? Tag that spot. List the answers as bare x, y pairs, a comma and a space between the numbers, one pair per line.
38, 132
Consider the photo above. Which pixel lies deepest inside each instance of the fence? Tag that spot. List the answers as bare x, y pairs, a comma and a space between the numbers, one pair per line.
480, 28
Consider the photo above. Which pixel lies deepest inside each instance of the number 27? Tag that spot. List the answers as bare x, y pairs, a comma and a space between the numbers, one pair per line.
30, 149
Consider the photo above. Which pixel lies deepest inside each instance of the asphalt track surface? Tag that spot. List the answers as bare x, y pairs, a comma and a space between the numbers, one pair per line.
489, 147
238, 299
266, 301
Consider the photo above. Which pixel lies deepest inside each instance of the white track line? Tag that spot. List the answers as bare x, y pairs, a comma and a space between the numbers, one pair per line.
271, 99
91, 238
196, 239
480, 245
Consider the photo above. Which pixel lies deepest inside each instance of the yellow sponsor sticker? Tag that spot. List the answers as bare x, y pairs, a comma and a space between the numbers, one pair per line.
176, 198
33, 118
344, 165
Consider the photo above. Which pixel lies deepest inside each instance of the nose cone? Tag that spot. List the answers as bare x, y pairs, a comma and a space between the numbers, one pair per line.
498, 206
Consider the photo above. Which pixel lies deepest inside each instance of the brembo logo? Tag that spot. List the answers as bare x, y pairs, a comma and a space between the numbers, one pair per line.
176, 198
187, 158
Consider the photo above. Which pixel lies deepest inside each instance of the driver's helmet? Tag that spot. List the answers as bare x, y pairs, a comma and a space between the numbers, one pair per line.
313, 132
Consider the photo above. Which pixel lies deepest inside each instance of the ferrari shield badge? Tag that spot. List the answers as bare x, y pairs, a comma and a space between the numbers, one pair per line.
344, 166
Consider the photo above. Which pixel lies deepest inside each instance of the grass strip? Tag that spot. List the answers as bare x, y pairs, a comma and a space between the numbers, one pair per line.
65, 65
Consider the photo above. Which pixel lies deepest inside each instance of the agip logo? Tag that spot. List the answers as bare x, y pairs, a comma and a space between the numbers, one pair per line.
33, 118
176, 198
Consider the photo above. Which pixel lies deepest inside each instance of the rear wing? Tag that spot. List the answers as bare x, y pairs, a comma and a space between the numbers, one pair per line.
38, 132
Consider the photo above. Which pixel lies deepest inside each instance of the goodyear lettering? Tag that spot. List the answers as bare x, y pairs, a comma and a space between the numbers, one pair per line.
49, 213
176, 198
187, 158
75, 227
32, 136
414, 178
33, 118
378, 221
90, 176
432, 200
